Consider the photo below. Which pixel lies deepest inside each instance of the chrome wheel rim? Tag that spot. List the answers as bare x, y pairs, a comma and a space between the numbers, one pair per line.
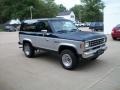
67, 60
27, 49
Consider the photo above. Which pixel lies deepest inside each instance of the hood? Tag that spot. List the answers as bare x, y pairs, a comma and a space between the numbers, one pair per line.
80, 35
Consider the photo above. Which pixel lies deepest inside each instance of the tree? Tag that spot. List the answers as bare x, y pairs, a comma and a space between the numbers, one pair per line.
92, 10
89, 10
62, 8
51, 9
12, 9
77, 10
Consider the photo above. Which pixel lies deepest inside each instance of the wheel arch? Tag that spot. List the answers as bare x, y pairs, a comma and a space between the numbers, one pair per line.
27, 41
63, 47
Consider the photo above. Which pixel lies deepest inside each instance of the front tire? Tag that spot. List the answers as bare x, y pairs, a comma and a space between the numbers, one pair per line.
68, 59
28, 50
114, 38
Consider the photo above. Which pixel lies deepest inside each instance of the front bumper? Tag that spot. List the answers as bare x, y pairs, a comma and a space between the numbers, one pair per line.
95, 52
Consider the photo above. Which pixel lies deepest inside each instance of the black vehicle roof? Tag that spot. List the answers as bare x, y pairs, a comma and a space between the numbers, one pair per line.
44, 19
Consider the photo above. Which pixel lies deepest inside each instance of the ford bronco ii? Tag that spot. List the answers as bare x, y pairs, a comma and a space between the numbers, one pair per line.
61, 36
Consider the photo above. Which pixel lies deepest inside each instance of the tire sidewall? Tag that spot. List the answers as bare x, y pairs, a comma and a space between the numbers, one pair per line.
73, 57
31, 53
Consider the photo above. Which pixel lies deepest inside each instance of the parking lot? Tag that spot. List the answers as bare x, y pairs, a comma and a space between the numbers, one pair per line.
45, 73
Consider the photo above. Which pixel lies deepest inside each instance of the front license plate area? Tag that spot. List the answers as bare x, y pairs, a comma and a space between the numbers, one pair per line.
99, 52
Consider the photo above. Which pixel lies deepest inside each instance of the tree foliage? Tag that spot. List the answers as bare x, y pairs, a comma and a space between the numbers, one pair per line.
12, 9
62, 8
77, 9
89, 10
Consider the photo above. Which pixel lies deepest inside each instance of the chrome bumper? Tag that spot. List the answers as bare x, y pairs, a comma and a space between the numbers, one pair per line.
94, 52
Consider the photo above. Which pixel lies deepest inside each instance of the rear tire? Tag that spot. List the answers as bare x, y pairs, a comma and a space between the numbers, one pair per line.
114, 38
28, 50
68, 59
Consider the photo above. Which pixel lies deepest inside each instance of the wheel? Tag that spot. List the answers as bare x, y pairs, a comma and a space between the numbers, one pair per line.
114, 38
68, 59
28, 50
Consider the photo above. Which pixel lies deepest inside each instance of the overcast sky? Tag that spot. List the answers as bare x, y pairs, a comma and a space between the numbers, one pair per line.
70, 3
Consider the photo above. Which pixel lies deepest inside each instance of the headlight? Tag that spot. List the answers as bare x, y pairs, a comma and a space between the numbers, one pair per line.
86, 44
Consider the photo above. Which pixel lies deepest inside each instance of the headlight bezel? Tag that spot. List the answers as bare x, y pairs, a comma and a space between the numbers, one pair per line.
87, 44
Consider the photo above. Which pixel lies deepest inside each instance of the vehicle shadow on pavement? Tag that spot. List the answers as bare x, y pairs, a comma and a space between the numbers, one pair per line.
48, 57
84, 65
90, 65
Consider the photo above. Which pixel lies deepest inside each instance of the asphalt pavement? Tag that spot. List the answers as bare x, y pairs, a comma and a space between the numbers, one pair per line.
44, 72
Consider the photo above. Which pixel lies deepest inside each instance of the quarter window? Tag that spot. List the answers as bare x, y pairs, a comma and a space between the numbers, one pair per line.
28, 27
35, 27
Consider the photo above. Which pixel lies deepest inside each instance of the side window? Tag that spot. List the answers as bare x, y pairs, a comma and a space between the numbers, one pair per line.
43, 26
28, 27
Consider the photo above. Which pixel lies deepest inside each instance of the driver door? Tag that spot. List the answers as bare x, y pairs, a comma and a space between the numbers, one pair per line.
44, 40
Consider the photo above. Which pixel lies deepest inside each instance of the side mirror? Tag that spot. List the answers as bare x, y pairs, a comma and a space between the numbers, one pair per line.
44, 32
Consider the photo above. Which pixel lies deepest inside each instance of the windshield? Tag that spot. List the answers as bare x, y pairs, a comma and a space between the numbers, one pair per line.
63, 26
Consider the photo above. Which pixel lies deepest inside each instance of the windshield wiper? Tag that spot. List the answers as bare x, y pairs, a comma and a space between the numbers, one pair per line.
73, 30
62, 31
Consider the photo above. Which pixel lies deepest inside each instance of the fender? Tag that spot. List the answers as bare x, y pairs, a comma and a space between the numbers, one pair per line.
28, 40
68, 44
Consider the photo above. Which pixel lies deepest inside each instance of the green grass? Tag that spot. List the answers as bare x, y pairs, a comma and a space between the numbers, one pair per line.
1, 30
1, 27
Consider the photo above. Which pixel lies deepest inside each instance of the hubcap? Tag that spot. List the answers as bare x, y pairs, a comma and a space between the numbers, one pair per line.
27, 49
67, 60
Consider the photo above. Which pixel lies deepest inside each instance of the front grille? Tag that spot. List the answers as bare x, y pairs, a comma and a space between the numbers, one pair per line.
97, 42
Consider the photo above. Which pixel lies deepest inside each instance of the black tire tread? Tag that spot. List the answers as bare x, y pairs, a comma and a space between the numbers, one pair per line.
32, 51
73, 56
